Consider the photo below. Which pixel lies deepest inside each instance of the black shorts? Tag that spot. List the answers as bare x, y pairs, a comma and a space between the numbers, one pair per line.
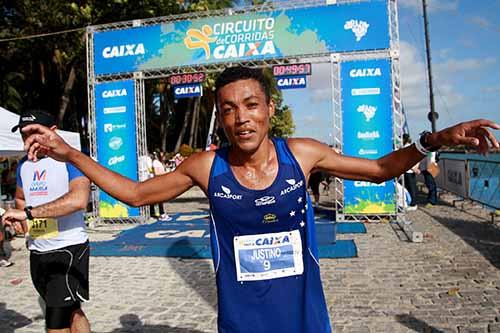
61, 276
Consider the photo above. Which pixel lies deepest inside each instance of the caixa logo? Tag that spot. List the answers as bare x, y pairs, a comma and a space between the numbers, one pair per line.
226, 194
293, 186
365, 72
273, 240
267, 200
114, 93
123, 50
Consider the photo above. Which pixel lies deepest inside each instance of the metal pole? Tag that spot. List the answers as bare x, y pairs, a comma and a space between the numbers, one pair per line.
432, 116
211, 130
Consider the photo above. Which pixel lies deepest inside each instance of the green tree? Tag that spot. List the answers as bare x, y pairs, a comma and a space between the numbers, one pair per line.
282, 124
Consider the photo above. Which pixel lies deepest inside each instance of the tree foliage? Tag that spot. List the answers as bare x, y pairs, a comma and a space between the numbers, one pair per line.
50, 72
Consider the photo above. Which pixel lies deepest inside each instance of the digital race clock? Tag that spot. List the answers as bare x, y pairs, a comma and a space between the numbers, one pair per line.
292, 69
186, 78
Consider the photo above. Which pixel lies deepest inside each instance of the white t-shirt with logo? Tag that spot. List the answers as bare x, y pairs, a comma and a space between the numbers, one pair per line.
42, 182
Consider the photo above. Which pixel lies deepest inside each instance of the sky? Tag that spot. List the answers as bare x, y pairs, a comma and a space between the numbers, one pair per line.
465, 45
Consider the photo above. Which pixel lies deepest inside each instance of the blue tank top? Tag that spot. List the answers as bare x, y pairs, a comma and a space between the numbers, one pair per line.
264, 251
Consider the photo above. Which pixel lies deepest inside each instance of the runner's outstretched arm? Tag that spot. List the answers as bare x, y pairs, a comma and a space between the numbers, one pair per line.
313, 155
42, 140
76, 199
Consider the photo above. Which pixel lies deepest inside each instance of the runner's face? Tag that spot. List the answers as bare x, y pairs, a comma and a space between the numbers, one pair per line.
244, 114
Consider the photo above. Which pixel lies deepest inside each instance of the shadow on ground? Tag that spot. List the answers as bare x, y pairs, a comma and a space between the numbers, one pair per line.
481, 236
416, 325
131, 323
200, 279
476, 232
11, 320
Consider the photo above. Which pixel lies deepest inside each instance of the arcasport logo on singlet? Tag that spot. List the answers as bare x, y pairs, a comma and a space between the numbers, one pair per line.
226, 194
294, 185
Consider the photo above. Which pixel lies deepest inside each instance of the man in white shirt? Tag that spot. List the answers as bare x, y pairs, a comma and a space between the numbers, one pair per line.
50, 199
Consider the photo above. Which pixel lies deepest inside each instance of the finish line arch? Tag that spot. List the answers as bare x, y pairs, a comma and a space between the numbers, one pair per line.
362, 36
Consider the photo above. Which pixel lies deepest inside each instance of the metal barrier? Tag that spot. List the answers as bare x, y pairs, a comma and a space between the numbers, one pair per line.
472, 177
484, 182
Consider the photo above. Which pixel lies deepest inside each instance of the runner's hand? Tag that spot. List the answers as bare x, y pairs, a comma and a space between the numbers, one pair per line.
15, 218
471, 133
42, 141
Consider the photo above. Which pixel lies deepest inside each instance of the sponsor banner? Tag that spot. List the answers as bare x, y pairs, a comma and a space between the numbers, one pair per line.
349, 27
116, 140
188, 90
484, 182
291, 82
367, 130
455, 176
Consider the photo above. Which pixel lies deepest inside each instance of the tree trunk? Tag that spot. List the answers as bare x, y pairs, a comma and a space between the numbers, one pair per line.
164, 115
65, 97
197, 127
184, 126
194, 121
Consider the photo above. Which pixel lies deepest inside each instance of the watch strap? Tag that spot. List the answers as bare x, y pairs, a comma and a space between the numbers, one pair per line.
27, 210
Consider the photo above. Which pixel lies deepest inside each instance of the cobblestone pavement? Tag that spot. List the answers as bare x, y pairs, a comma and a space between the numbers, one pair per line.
448, 283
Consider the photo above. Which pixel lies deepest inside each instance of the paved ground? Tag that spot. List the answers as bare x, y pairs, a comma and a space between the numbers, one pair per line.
448, 283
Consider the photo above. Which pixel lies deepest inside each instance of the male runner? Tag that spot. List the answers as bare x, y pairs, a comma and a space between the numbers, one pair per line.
262, 228
51, 195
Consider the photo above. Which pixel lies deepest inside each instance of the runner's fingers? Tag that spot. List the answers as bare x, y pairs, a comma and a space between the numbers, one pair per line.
484, 122
487, 134
468, 141
32, 149
24, 226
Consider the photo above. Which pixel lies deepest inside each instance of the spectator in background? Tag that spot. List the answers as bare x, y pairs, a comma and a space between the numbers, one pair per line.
430, 169
314, 181
158, 170
410, 177
178, 159
9, 181
4, 262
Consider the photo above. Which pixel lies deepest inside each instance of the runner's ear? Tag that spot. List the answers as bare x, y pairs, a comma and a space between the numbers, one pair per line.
271, 107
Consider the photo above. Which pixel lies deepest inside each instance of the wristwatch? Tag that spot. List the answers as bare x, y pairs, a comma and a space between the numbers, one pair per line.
27, 210
425, 143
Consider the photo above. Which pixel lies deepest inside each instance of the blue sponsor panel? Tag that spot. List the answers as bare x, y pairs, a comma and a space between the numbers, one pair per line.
116, 140
188, 90
343, 27
367, 129
291, 81
484, 182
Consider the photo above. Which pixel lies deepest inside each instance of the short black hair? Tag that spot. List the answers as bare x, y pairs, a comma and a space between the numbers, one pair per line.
236, 73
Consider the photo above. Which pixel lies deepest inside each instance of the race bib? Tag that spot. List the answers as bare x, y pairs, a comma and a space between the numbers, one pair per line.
43, 228
268, 256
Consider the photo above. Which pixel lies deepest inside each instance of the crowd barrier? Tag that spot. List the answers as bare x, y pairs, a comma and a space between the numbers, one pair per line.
471, 176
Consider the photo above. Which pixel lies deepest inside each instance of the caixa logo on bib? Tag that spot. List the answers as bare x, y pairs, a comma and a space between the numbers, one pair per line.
273, 240
226, 194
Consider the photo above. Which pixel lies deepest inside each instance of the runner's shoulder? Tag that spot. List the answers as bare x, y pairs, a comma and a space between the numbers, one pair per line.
198, 163
301, 145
